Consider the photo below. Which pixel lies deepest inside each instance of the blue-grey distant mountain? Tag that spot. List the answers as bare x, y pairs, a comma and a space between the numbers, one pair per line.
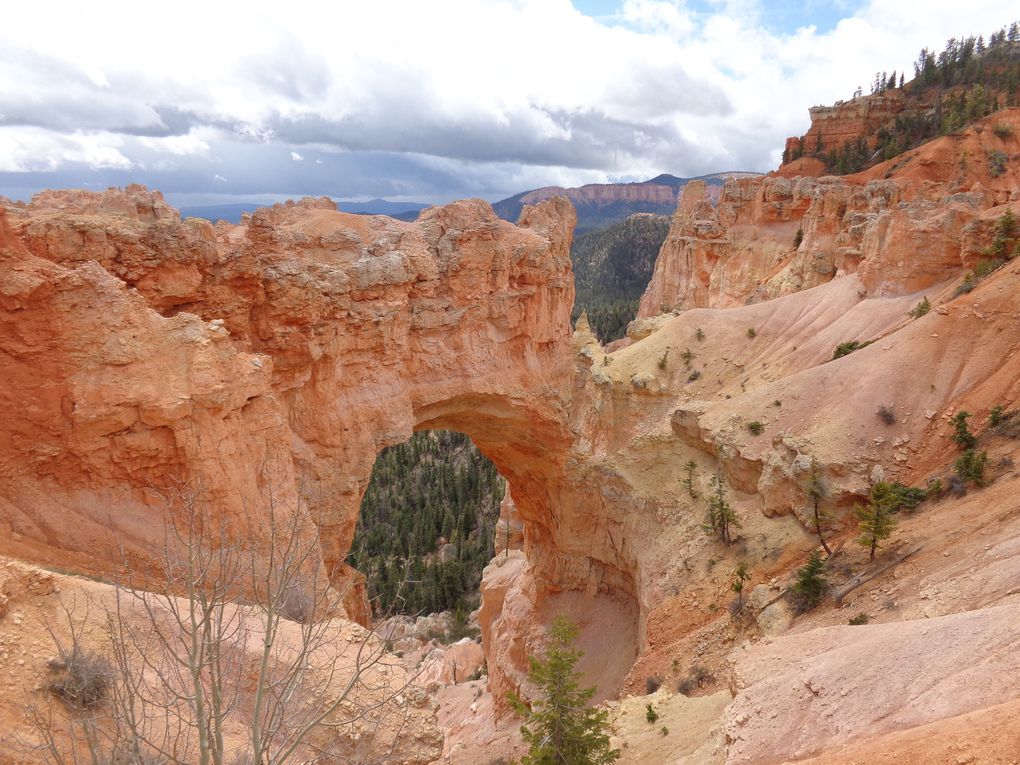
602, 204
232, 213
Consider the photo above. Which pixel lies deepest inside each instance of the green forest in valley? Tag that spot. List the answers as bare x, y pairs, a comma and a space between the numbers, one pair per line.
612, 267
426, 526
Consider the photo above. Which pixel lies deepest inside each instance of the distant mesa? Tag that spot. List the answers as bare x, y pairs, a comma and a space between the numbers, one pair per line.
603, 204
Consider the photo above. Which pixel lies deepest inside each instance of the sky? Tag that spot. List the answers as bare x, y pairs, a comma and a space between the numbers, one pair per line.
220, 102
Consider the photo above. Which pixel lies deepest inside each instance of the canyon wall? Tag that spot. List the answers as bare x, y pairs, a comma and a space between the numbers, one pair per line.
746, 247
267, 362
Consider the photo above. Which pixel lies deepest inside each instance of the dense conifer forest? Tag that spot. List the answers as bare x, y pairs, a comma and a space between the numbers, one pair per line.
612, 267
426, 526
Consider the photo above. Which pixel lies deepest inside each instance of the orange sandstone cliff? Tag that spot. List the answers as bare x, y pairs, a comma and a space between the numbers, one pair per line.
139, 347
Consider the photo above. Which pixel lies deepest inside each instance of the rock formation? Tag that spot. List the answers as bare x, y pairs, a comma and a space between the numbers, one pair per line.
268, 363
746, 248
832, 127
284, 352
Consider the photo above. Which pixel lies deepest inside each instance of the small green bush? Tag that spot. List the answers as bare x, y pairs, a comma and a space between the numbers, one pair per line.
858, 620
798, 238
699, 334
662, 360
920, 309
1002, 130
650, 714
996, 415
967, 285
756, 427
985, 267
996, 163
752, 333
687, 356
961, 433
970, 466
845, 349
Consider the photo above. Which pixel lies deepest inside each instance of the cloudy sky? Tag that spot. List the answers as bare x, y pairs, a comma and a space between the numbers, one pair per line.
410, 100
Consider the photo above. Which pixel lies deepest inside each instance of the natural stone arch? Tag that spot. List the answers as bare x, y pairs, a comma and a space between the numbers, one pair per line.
303, 338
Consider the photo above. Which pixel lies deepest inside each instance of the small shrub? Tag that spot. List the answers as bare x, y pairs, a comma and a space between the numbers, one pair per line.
699, 334
970, 466
968, 284
652, 684
697, 677
1002, 130
996, 415
85, 677
798, 238
662, 360
1005, 231
886, 415
933, 489
985, 267
961, 433
650, 714
858, 620
756, 427
920, 309
845, 349
996, 163
777, 403
687, 357
664, 731
957, 486
752, 333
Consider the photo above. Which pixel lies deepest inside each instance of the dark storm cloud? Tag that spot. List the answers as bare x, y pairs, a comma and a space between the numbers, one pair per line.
583, 139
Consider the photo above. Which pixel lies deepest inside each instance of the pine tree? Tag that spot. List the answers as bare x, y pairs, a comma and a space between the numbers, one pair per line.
811, 584
816, 490
875, 522
559, 727
740, 575
721, 517
961, 433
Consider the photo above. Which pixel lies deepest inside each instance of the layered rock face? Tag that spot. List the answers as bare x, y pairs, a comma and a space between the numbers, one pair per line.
605, 193
266, 363
745, 248
832, 127
269, 362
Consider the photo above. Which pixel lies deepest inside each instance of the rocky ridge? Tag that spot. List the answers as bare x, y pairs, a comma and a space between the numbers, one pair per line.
141, 347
